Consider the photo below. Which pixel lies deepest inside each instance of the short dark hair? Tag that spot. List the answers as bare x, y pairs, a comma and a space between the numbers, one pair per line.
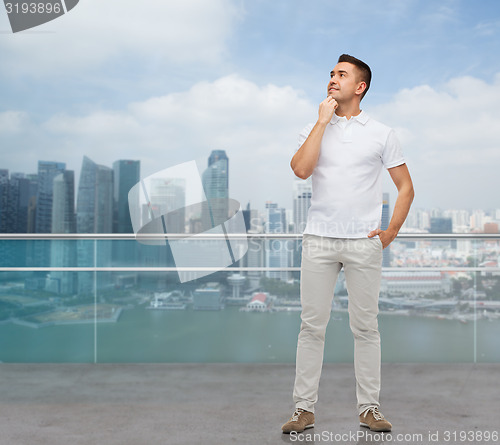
363, 68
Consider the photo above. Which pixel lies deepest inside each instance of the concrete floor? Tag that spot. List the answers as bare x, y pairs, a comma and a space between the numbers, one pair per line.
184, 404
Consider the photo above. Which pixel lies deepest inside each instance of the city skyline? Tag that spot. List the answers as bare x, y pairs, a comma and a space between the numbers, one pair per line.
110, 205
246, 77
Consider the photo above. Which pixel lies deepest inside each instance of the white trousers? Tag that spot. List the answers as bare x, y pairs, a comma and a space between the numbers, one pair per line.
322, 260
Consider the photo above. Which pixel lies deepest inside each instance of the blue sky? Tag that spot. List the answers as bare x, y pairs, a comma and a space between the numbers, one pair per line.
167, 82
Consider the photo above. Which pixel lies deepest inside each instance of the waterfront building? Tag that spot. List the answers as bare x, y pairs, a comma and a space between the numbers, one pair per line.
259, 302
415, 283
208, 298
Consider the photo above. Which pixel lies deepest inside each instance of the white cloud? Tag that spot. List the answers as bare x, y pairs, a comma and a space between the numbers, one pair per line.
449, 122
12, 121
256, 125
97, 32
451, 137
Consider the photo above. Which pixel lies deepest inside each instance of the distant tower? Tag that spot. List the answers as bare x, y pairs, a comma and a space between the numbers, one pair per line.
94, 214
126, 175
63, 209
169, 195
276, 252
216, 187
31, 209
94, 210
47, 171
4, 194
236, 281
302, 192
443, 225
16, 205
63, 252
386, 253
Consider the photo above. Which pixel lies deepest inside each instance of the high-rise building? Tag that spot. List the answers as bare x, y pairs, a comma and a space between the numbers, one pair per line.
441, 225
302, 192
47, 171
126, 175
4, 194
8, 257
277, 254
33, 193
63, 252
15, 204
216, 186
460, 219
94, 209
63, 208
16, 193
169, 196
94, 214
386, 218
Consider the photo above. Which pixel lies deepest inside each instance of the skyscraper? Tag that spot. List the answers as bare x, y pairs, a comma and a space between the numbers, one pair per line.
94, 214
386, 217
47, 171
276, 251
126, 175
8, 257
33, 192
16, 193
443, 225
169, 195
94, 208
302, 192
4, 193
63, 252
216, 186
63, 208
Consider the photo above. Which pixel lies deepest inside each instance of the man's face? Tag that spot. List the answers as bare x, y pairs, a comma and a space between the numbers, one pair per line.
343, 82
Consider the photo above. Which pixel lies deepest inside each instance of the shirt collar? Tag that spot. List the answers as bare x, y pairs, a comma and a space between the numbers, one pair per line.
362, 118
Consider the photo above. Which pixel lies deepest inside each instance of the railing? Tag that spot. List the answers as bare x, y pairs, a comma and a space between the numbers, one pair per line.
466, 335
235, 236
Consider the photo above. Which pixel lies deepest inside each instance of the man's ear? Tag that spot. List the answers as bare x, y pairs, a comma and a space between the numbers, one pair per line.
361, 87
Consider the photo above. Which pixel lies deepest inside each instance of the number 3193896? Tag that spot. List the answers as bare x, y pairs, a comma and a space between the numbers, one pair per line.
33, 8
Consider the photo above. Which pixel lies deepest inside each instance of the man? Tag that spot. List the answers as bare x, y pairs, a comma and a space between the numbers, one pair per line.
345, 152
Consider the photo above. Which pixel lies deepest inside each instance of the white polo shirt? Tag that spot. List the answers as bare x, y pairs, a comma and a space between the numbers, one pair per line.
346, 199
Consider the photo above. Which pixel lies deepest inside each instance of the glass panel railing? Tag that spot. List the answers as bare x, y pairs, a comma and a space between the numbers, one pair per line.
107, 298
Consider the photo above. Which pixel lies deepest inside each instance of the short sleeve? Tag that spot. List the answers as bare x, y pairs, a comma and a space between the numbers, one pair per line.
392, 156
303, 135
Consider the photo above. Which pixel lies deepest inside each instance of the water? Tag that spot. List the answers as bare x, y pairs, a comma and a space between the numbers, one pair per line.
143, 335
